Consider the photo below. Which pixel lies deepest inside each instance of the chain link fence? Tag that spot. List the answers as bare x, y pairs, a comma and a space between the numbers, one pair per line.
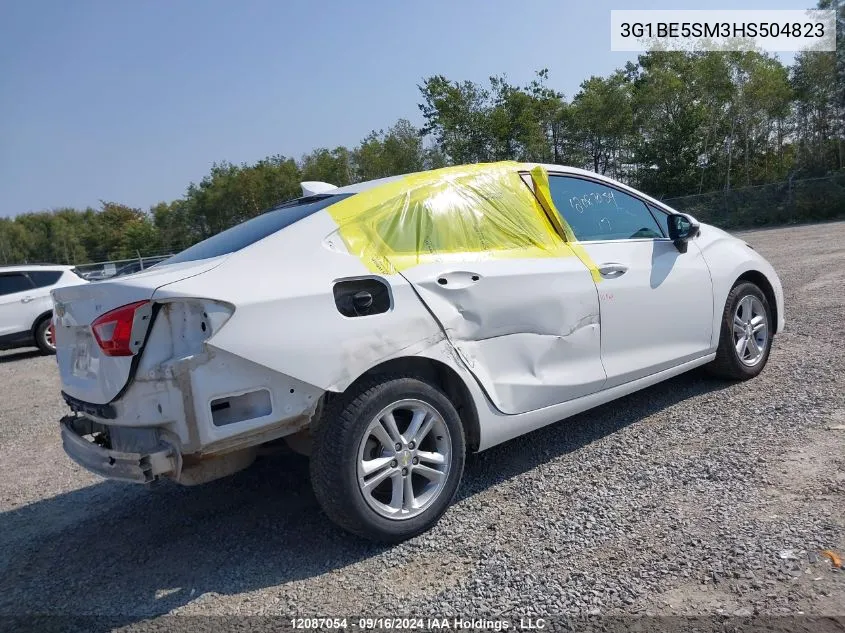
789, 202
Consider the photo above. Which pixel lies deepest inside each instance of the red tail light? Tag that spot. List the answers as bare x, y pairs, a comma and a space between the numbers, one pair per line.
113, 330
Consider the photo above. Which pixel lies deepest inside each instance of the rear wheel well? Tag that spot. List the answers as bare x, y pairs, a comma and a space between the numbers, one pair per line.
41, 317
759, 279
441, 376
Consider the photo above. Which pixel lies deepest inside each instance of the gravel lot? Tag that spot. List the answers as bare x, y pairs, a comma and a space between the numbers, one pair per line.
692, 497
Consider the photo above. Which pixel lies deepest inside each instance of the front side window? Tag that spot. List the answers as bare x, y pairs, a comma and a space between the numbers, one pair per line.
598, 212
662, 219
14, 282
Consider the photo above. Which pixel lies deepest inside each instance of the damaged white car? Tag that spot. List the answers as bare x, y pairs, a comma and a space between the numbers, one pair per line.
387, 328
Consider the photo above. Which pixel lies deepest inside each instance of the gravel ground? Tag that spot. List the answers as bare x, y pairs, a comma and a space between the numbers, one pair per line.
692, 497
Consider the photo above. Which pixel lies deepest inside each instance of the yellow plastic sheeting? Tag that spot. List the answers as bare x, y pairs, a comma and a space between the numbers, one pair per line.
540, 178
464, 213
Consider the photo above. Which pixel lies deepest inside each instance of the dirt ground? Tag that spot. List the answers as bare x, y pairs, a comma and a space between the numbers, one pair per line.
694, 497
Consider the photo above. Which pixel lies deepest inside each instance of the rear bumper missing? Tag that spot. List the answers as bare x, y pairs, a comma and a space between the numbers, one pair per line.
142, 467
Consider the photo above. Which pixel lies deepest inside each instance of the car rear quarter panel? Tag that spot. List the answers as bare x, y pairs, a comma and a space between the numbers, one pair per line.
285, 316
276, 312
178, 377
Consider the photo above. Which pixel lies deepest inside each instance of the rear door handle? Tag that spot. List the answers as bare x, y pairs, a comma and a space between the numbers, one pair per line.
457, 279
611, 270
26, 299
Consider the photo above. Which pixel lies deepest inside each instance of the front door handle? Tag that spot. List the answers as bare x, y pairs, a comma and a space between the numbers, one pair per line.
26, 299
612, 270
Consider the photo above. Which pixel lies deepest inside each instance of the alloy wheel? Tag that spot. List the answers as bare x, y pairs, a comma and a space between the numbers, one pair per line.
404, 459
750, 330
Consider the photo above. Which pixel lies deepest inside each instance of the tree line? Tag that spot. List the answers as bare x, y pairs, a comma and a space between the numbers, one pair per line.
671, 124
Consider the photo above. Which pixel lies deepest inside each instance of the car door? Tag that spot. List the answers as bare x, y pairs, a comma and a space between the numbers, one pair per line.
528, 329
656, 303
16, 293
44, 281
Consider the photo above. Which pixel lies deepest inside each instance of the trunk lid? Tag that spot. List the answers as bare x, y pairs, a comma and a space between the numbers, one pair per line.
87, 374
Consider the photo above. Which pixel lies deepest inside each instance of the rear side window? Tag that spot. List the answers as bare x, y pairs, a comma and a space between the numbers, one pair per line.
43, 278
251, 231
14, 282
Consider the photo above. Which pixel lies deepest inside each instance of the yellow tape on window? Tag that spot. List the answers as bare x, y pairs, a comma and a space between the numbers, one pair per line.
463, 213
540, 178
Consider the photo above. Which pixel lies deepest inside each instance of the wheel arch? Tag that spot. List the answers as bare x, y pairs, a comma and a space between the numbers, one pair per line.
440, 375
761, 281
44, 315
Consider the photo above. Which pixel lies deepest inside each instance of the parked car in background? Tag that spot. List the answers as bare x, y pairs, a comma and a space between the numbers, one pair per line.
388, 327
26, 307
107, 270
132, 267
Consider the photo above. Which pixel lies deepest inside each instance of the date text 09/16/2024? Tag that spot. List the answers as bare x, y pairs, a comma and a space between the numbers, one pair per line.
410, 623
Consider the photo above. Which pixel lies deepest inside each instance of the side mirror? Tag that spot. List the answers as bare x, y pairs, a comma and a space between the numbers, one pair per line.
682, 228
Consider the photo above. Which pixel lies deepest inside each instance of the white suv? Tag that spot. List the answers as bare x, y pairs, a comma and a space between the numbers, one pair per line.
26, 306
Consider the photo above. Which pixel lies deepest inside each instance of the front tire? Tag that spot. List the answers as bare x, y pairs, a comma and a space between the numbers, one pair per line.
387, 458
44, 337
745, 339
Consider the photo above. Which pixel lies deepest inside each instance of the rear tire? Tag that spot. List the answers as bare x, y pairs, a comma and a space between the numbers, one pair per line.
44, 337
745, 339
387, 458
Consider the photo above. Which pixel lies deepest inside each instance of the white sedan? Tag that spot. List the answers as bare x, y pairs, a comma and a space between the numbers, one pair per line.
386, 328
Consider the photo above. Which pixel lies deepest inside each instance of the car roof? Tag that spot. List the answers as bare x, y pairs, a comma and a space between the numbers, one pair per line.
369, 184
551, 168
358, 187
32, 267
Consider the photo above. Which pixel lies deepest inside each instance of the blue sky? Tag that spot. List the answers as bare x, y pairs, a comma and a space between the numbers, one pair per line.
131, 101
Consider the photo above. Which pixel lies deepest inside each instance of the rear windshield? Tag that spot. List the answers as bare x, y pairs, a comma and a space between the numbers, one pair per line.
259, 227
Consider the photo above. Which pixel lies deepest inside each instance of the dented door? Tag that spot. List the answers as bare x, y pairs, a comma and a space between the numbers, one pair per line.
528, 329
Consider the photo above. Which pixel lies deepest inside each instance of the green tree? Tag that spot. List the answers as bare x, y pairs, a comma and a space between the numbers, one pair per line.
551, 112
121, 230
230, 194
602, 121
516, 131
332, 166
456, 114
818, 112
397, 151
669, 122
173, 225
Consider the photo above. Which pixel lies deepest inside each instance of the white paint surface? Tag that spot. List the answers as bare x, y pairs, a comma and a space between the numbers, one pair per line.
528, 329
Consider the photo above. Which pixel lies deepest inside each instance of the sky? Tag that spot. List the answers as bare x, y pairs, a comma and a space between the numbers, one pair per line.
131, 101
